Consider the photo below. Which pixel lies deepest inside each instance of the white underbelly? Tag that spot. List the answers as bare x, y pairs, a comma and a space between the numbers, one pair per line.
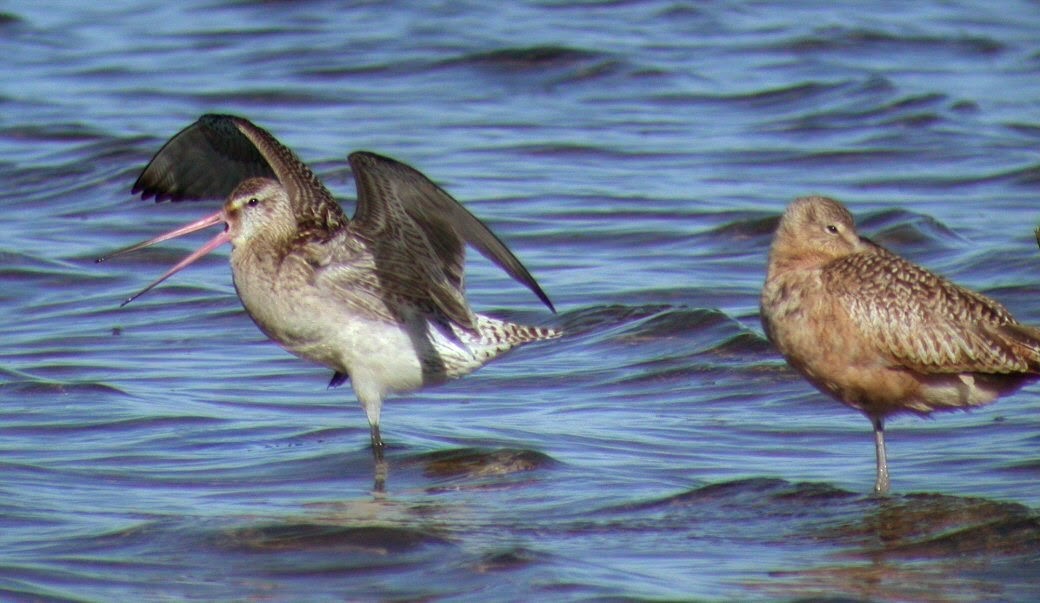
380, 356
380, 353
373, 353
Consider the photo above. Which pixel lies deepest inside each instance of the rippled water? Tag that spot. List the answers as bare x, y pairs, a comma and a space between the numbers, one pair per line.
636, 156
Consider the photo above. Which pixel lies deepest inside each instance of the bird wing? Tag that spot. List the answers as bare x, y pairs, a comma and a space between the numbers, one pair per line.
924, 322
417, 226
209, 158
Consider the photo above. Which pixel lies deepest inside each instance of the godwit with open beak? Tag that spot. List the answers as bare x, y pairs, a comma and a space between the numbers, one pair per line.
377, 298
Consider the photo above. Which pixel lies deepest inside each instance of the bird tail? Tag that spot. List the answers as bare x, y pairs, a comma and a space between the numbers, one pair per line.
467, 350
493, 332
1025, 343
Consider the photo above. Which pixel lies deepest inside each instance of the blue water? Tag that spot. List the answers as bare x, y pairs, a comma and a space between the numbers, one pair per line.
635, 155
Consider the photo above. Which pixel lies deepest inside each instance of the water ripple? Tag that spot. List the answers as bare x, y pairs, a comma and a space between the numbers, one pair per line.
636, 155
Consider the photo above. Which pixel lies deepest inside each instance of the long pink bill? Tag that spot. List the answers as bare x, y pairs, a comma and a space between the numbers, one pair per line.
213, 243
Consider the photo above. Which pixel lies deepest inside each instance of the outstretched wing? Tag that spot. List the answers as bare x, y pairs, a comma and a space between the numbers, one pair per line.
407, 215
209, 158
206, 160
924, 322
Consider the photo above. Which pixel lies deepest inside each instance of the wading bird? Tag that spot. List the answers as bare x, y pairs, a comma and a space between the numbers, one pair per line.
377, 298
880, 333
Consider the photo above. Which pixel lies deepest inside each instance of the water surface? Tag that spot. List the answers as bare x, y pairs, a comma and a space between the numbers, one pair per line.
636, 156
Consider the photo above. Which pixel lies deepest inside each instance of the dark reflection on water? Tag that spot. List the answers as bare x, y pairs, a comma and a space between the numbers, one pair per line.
908, 547
297, 538
470, 463
636, 156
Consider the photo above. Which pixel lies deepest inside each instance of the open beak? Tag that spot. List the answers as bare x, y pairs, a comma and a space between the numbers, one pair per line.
213, 243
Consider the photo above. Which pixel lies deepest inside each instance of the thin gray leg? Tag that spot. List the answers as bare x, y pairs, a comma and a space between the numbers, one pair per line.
881, 485
377, 443
379, 485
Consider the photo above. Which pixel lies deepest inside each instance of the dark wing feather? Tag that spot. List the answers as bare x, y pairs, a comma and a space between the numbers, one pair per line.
392, 195
924, 322
206, 160
209, 158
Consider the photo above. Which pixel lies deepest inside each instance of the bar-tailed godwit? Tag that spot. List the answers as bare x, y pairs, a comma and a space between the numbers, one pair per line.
377, 298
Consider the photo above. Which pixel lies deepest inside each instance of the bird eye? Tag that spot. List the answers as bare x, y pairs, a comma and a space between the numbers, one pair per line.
253, 202
832, 229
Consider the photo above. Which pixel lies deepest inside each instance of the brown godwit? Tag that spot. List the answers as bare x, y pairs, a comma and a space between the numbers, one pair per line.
880, 333
377, 298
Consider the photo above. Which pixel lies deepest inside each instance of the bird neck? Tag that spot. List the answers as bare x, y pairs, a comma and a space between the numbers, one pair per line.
787, 259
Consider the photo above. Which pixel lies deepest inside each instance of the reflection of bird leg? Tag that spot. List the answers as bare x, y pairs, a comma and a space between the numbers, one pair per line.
379, 479
881, 484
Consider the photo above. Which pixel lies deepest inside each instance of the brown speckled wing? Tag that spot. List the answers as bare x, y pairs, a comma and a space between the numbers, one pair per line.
375, 279
318, 215
926, 323
209, 158
398, 203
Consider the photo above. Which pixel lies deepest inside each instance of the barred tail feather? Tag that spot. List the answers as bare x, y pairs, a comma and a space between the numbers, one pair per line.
495, 332
468, 351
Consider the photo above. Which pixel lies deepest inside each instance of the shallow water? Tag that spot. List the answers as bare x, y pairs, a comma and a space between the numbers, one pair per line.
635, 155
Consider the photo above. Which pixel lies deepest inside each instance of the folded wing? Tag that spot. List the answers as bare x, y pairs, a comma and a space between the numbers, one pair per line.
941, 327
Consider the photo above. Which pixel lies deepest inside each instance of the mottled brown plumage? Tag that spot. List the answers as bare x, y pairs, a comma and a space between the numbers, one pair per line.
880, 333
378, 298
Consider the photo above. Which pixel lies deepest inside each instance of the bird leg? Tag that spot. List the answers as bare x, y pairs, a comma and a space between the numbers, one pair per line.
377, 443
881, 485
379, 485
